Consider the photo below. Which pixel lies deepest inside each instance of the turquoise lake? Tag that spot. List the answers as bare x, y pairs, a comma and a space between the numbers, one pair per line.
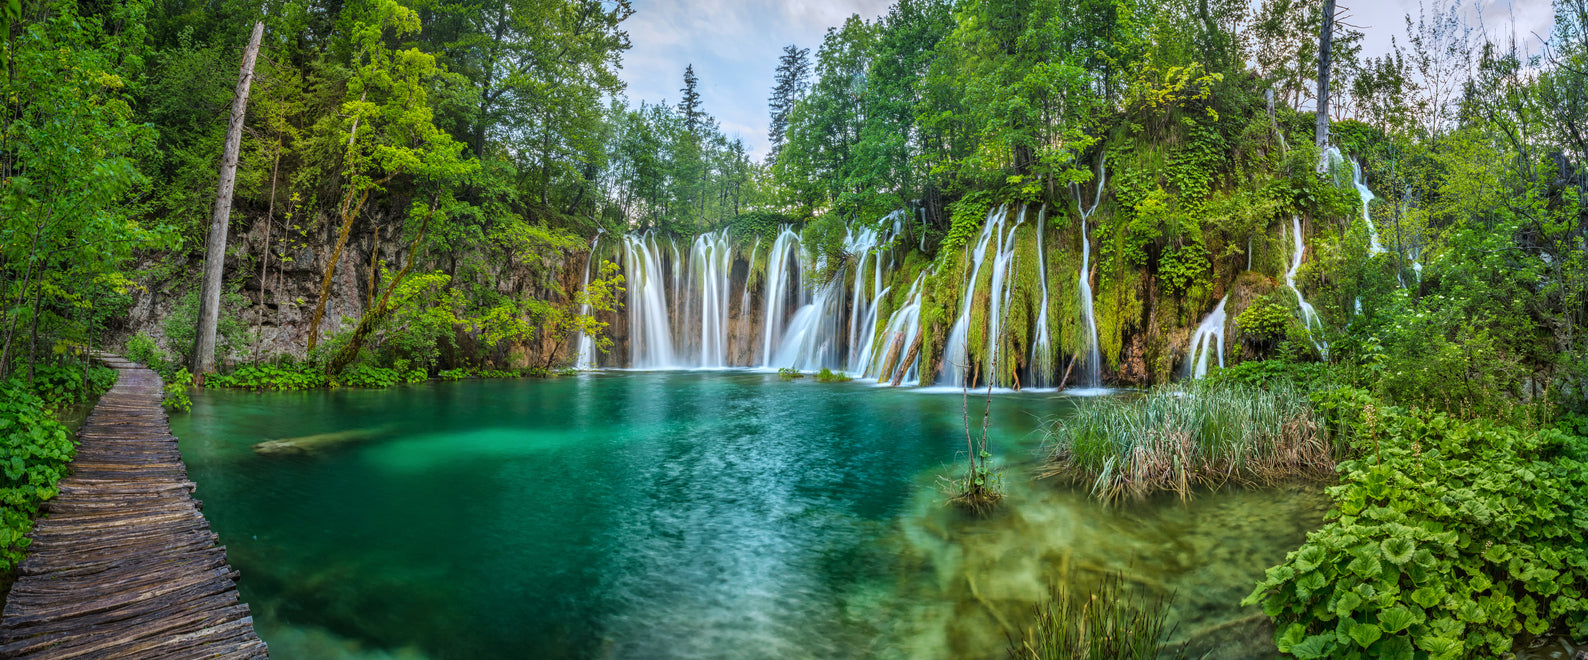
683, 514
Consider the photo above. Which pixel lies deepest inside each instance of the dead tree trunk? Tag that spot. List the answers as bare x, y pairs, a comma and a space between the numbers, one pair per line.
1325, 38
215, 253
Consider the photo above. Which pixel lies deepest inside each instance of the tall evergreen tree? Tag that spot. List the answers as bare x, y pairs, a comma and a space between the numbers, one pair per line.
689, 106
789, 85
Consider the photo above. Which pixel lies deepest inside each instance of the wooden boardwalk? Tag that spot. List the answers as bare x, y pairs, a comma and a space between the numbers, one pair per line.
125, 566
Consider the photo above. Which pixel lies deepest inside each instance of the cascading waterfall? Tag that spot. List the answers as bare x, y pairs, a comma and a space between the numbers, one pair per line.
904, 322
585, 356
650, 332
1309, 316
1094, 356
999, 299
956, 367
711, 263
1042, 344
779, 277
1207, 341
1373, 246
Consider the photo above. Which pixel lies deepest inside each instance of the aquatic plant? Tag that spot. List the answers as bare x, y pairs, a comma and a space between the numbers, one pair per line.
285, 377
1106, 623
1448, 540
829, 376
789, 373
1178, 438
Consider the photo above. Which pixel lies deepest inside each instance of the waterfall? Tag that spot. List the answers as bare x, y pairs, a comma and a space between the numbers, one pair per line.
711, 263
650, 334
744, 296
956, 367
779, 277
999, 297
1309, 316
905, 320
1202, 343
585, 356
1373, 246
1042, 344
1094, 357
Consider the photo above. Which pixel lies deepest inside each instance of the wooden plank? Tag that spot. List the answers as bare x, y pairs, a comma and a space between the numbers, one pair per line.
125, 565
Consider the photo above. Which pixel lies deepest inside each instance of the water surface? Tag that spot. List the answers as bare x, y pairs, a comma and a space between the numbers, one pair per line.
680, 514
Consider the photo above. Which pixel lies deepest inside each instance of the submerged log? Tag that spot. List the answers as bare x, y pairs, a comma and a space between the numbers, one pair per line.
309, 444
909, 357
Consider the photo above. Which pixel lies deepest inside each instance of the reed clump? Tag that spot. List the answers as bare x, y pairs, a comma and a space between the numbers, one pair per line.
1179, 438
1111, 622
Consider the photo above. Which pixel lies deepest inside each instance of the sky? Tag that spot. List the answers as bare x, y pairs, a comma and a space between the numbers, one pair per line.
735, 44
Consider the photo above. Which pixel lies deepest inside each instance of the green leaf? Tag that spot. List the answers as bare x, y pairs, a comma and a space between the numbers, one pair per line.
1365, 634
1314, 647
1393, 648
1398, 549
1396, 619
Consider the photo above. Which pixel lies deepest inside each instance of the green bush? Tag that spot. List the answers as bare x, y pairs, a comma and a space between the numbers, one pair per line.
174, 395
142, 349
62, 385
829, 376
284, 378
789, 373
459, 373
369, 376
35, 451
1447, 540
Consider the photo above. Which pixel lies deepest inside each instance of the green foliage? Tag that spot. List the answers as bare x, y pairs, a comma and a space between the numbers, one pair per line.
459, 373
285, 378
63, 385
35, 453
1110, 621
1447, 540
369, 376
142, 350
829, 376
181, 327
174, 396
1265, 320
788, 373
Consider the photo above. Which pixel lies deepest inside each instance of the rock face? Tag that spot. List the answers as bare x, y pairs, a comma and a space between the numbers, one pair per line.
1143, 324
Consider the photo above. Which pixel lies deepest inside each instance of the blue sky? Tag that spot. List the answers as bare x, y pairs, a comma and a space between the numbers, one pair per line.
734, 44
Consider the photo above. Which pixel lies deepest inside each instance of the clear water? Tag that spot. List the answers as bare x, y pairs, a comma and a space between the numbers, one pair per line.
681, 515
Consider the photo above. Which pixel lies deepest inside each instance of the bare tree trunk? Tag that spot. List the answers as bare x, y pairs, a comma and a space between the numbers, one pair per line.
1325, 38
215, 255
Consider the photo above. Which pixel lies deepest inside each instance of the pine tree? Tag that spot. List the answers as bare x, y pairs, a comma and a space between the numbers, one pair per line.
689, 106
789, 86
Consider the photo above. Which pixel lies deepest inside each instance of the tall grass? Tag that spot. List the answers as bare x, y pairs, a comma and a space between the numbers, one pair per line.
1110, 622
1178, 438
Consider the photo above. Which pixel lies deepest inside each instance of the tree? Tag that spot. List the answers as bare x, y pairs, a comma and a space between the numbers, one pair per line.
388, 94
1326, 35
689, 105
215, 253
788, 87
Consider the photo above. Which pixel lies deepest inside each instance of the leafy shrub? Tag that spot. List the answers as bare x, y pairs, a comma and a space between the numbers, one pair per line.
181, 327
175, 397
1269, 374
369, 376
789, 373
829, 376
1447, 539
35, 451
459, 373
539, 372
61, 385
268, 377
142, 349
1264, 323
